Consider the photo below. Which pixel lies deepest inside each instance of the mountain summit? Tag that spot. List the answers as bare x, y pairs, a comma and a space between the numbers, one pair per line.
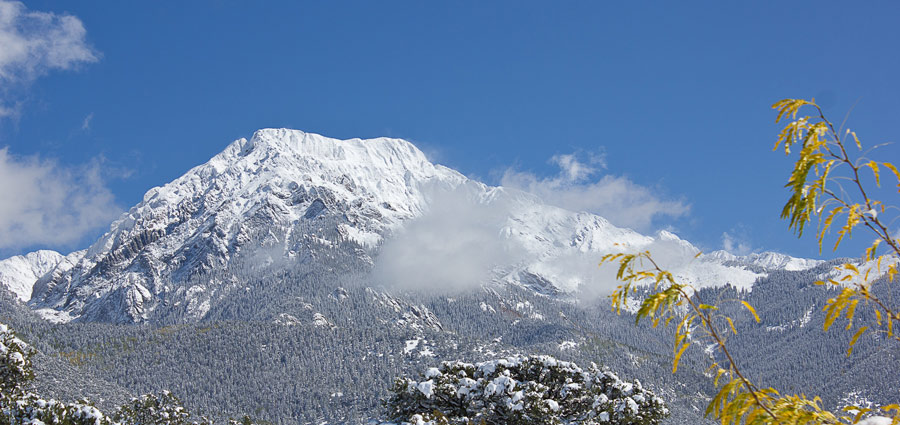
198, 222
285, 195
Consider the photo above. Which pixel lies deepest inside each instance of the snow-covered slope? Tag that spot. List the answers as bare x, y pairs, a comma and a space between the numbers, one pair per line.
19, 273
765, 260
286, 189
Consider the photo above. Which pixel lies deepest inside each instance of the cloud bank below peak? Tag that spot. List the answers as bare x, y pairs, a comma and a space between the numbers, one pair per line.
579, 186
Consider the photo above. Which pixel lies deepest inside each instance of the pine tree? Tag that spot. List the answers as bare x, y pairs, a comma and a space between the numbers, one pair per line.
522, 390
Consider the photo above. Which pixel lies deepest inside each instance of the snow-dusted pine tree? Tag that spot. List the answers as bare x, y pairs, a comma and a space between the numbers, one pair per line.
15, 363
522, 390
162, 409
17, 406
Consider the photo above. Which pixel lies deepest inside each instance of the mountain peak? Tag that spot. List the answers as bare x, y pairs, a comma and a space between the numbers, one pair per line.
766, 260
19, 273
381, 150
299, 196
268, 184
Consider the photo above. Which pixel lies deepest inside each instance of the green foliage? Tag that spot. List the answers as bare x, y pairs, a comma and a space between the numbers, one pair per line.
816, 186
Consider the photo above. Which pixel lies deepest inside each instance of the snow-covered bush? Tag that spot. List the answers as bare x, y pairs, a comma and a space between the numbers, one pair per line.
17, 406
522, 390
31, 409
150, 409
15, 362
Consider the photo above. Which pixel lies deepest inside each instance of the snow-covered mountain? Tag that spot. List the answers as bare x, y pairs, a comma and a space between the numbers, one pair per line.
301, 261
765, 260
289, 191
19, 273
268, 183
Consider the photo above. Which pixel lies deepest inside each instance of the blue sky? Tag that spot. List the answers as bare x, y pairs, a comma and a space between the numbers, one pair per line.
669, 101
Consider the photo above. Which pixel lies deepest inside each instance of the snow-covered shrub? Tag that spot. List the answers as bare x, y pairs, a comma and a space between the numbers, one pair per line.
15, 362
163, 409
31, 409
522, 390
150, 409
17, 406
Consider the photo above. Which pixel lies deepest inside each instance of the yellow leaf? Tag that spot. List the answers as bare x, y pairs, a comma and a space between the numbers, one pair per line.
893, 170
718, 375
851, 311
678, 356
874, 166
849, 266
730, 323
855, 339
752, 310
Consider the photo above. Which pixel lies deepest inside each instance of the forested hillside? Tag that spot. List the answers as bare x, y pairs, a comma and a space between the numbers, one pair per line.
331, 349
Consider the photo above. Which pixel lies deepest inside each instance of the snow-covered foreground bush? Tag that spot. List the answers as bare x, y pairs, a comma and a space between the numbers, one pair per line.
18, 406
522, 390
15, 362
164, 409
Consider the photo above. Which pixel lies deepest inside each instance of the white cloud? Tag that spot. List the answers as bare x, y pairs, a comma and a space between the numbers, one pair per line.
573, 170
86, 124
735, 245
616, 198
452, 247
42, 203
9, 111
34, 43
467, 237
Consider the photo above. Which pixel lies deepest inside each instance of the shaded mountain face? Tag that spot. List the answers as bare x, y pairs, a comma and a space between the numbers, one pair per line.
285, 197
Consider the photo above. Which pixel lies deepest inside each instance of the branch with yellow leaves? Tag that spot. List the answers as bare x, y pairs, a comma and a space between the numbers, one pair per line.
815, 176
738, 400
815, 185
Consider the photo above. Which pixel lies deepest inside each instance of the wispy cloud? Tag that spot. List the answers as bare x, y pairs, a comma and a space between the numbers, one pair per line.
467, 237
452, 247
9, 111
43, 203
579, 187
735, 245
86, 124
35, 43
